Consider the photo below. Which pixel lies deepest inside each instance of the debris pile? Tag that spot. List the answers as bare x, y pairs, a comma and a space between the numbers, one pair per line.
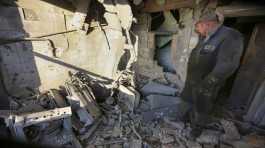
43, 119
74, 117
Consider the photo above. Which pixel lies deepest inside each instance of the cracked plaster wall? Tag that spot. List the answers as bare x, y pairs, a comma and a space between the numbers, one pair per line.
182, 44
96, 53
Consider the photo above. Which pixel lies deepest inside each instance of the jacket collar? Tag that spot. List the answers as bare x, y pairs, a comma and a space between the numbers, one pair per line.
211, 33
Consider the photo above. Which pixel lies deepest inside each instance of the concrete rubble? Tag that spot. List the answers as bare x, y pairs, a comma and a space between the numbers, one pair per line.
120, 121
156, 88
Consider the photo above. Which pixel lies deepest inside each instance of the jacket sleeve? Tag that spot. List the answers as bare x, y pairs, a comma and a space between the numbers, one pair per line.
228, 59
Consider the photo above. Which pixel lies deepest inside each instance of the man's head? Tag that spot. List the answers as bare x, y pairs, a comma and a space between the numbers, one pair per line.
206, 23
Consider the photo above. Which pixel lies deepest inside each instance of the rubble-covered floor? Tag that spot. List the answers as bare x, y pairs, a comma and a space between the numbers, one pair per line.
72, 117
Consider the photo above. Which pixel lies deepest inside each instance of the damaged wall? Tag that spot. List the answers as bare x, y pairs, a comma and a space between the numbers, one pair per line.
44, 30
181, 39
97, 48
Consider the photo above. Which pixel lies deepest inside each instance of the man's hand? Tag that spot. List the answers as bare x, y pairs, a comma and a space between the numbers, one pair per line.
208, 86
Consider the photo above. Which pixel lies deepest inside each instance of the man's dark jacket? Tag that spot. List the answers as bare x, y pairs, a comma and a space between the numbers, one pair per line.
210, 64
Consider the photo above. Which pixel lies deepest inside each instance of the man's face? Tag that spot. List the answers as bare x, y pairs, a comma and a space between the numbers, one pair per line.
201, 28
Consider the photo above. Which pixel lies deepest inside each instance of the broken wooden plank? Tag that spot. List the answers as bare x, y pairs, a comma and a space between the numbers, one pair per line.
251, 49
154, 6
242, 9
251, 72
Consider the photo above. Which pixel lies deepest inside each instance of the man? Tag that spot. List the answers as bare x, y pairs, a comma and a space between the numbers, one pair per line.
215, 58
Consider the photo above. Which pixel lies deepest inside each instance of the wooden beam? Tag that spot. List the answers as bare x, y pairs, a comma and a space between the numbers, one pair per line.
251, 50
153, 6
251, 72
242, 9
